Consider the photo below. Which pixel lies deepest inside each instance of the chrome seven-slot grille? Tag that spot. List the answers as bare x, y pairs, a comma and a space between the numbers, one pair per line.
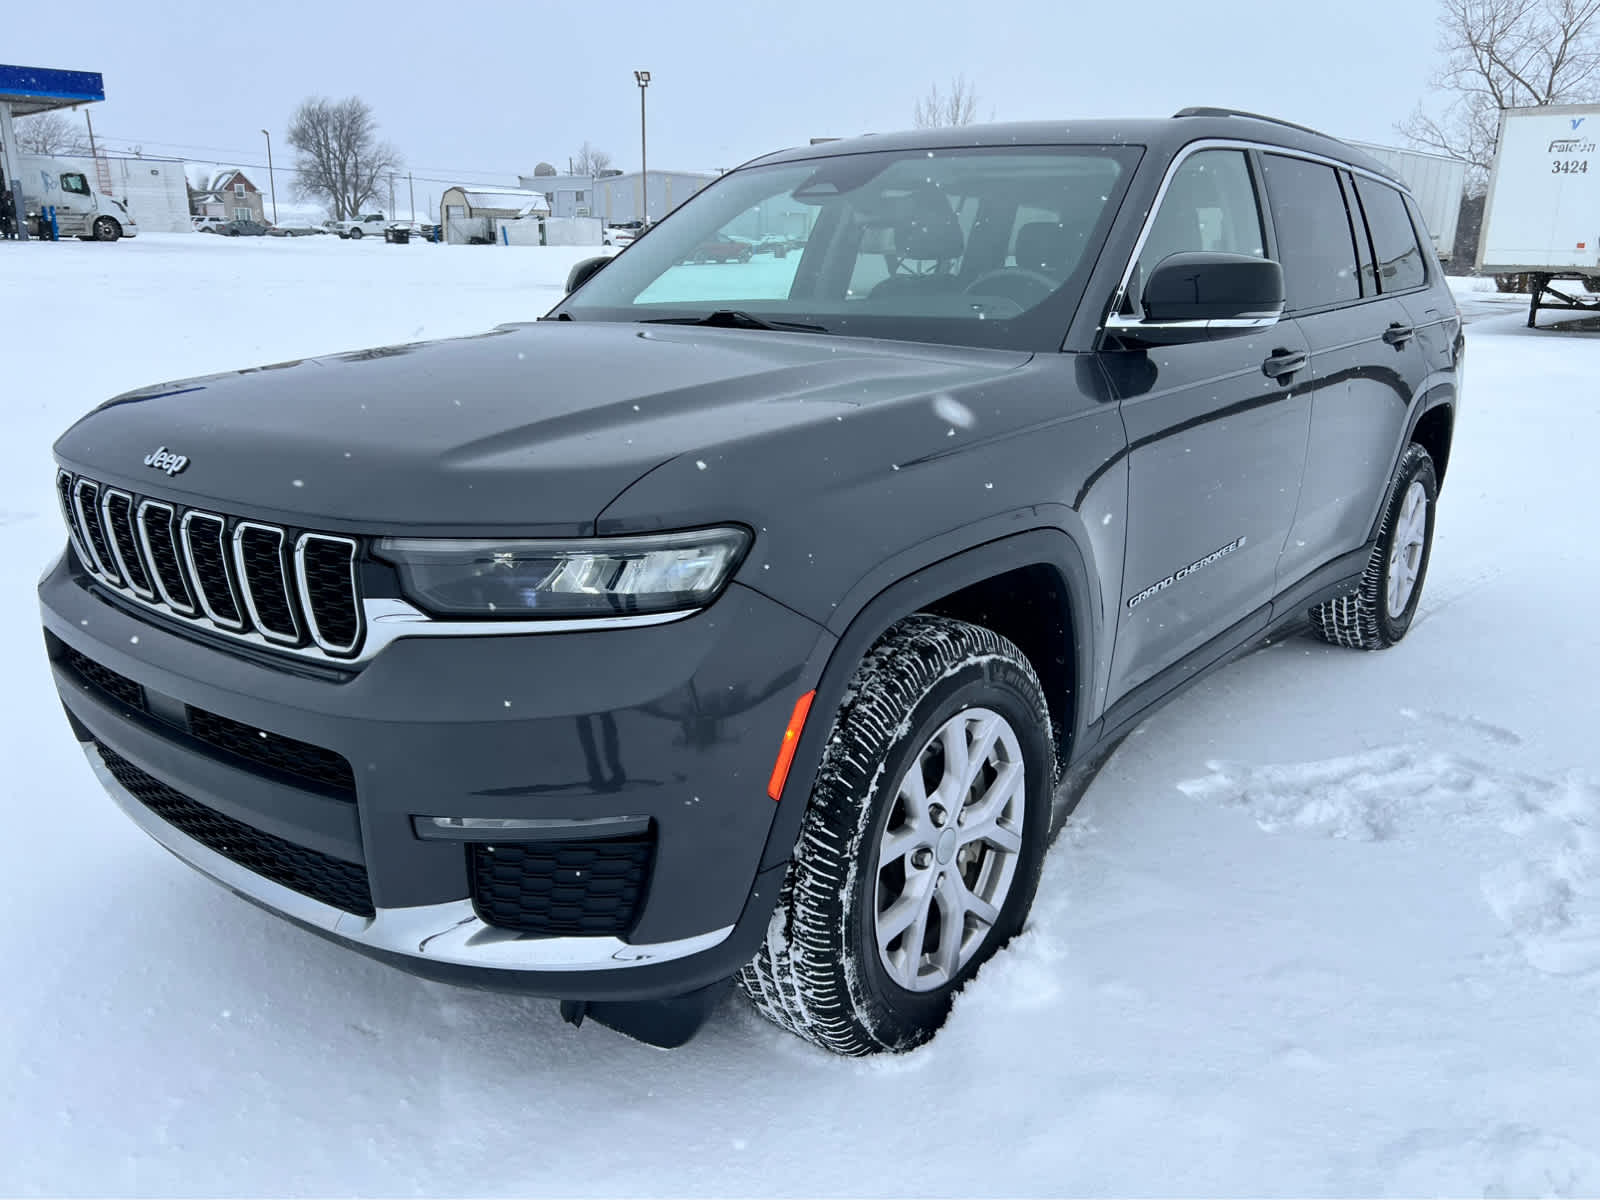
233, 576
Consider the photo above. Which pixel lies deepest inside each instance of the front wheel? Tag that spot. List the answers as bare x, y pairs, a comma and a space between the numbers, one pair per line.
921, 846
106, 229
1379, 611
356, 234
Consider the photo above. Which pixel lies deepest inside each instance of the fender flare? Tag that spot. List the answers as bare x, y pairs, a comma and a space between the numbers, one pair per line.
834, 661
1441, 395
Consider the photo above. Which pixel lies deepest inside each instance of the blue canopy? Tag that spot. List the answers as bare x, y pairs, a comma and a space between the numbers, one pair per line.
40, 89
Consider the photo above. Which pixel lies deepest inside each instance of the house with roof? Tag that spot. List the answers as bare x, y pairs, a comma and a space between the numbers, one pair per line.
230, 196
472, 214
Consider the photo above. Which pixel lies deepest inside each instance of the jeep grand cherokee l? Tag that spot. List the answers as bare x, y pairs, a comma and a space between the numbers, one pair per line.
740, 620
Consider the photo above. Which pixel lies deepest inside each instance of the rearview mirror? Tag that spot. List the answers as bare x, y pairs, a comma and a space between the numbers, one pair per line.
1194, 296
585, 271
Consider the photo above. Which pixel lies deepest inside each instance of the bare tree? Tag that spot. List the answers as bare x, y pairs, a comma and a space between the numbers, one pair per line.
590, 160
1501, 54
340, 159
49, 133
958, 106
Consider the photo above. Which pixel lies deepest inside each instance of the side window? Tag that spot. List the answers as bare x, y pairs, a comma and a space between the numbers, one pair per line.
1352, 205
1315, 245
75, 183
1394, 241
1210, 204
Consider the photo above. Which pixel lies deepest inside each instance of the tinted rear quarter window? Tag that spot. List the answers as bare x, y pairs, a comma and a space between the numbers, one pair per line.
1315, 245
1394, 241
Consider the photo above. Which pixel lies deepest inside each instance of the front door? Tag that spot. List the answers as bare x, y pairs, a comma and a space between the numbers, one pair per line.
1216, 443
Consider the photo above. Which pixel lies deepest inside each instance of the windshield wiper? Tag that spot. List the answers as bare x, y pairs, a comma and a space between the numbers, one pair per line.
733, 318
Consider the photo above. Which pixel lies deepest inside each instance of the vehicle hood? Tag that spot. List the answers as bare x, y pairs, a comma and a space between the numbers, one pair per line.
529, 428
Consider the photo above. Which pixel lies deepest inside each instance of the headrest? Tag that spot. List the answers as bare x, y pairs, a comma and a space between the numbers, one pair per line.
927, 228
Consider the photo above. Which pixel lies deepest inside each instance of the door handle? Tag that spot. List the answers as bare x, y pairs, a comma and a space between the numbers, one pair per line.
1398, 334
1284, 363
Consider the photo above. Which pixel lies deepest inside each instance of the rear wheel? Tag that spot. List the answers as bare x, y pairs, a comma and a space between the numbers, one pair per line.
920, 850
106, 229
1379, 611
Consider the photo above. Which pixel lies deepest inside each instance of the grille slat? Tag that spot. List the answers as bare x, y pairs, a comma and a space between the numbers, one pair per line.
330, 880
326, 568
265, 576
205, 553
86, 502
585, 888
233, 576
117, 511
161, 551
69, 514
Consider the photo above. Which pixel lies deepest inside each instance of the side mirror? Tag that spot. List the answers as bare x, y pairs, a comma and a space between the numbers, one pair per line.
1196, 296
585, 271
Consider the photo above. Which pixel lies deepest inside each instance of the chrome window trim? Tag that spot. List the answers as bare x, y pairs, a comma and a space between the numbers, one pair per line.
179, 608
328, 646
239, 530
195, 514
70, 516
1262, 321
1183, 155
449, 933
106, 495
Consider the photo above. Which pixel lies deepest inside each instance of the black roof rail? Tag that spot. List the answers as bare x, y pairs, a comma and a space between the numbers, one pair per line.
1236, 112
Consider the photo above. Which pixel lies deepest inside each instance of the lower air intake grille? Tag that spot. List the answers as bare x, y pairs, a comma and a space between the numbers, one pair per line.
590, 887
118, 687
329, 880
284, 754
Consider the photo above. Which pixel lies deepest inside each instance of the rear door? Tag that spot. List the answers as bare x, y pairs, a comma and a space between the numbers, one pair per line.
1348, 270
1216, 444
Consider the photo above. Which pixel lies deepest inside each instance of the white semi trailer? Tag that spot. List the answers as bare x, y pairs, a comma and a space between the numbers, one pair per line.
1542, 217
1437, 184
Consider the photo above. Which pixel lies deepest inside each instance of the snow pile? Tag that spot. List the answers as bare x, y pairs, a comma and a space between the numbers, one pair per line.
1327, 924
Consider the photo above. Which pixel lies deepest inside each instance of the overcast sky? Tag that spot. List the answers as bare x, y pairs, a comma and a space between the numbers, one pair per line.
482, 92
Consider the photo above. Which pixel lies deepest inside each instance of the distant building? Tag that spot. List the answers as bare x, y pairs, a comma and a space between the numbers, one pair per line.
471, 213
569, 195
231, 196
618, 198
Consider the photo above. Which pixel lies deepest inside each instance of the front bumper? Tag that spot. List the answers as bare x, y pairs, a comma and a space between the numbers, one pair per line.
675, 724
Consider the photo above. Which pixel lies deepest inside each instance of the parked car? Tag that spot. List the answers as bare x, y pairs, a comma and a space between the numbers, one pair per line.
614, 236
760, 650
205, 224
294, 230
370, 225
722, 248
243, 228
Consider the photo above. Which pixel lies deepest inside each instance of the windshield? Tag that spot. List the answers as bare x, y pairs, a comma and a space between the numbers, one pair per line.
977, 247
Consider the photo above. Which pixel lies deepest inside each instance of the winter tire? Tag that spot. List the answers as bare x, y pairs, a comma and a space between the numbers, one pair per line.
106, 230
921, 846
1380, 609
355, 235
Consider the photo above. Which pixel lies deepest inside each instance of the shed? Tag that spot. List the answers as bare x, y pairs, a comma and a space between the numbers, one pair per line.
470, 212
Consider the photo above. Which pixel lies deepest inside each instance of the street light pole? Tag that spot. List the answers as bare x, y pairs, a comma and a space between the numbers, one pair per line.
272, 181
642, 78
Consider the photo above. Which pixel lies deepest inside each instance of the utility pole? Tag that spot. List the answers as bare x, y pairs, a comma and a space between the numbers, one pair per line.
392, 213
642, 78
272, 181
412, 189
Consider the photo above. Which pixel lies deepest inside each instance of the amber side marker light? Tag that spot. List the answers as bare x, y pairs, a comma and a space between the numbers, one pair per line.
791, 739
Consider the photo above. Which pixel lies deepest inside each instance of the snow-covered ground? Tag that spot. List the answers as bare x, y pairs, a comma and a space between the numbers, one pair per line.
1327, 924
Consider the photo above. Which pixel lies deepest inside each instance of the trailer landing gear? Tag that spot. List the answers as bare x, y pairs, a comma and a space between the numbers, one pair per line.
1538, 285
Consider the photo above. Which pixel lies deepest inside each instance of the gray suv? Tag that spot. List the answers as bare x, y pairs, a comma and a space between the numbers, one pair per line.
739, 620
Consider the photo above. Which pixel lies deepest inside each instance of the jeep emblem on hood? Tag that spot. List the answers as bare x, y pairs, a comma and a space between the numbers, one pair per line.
165, 460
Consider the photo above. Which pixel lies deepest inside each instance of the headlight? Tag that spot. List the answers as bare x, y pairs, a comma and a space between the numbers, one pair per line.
594, 577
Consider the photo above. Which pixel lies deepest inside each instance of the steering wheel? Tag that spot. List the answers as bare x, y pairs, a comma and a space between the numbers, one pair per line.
1035, 285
